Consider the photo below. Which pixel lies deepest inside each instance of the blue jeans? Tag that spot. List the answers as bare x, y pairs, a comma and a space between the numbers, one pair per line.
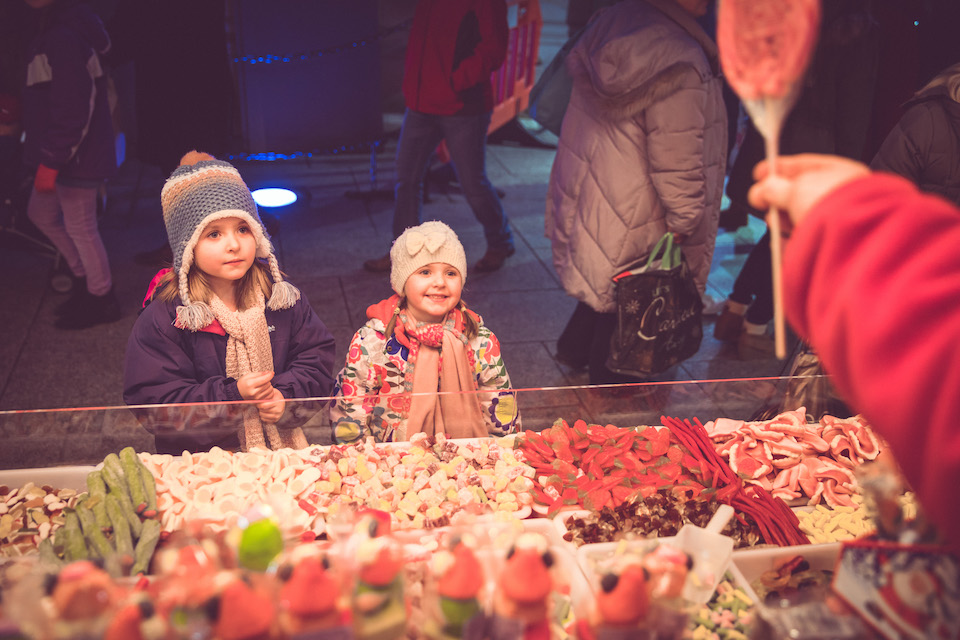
466, 138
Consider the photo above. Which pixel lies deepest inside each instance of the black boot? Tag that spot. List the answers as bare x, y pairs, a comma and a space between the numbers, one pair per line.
92, 311
78, 293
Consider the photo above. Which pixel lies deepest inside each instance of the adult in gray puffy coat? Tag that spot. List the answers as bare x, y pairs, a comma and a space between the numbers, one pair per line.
924, 146
642, 151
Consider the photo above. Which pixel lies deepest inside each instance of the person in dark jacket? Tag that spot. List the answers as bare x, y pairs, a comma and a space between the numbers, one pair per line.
924, 146
454, 47
223, 326
69, 144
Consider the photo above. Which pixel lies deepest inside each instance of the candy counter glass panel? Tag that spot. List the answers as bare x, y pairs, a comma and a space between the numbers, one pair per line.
84, 435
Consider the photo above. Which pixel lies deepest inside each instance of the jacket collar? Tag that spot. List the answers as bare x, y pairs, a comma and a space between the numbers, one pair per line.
213, 327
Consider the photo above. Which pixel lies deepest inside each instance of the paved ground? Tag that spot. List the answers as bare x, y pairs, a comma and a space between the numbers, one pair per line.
322, 242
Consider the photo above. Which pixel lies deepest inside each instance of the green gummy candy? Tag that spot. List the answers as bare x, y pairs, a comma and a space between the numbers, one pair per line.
75, 547
121, 528
131, 472
150, 486
48, 555
260, 543
146, 545
97, 490
93, 533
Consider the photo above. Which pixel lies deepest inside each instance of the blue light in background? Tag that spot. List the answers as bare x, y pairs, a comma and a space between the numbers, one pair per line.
274, 197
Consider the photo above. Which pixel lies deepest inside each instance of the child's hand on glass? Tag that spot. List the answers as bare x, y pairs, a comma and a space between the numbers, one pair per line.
271, 412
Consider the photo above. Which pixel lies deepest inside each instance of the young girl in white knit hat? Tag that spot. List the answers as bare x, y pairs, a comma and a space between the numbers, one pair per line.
223, 325
418, 342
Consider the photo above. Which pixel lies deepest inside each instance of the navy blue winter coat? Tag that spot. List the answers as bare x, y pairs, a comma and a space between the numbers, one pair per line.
66, 115
165, 364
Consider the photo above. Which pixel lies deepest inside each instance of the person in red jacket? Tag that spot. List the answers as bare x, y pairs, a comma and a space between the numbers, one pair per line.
872, 281
454, 47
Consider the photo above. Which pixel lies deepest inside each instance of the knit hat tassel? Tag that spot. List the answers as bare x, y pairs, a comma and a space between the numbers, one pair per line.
284, 295
194, 316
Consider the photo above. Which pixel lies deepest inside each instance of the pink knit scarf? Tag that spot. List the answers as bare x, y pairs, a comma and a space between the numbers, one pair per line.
439, 356
248, 349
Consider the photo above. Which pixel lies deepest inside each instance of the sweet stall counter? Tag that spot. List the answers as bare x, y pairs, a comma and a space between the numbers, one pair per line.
685, 509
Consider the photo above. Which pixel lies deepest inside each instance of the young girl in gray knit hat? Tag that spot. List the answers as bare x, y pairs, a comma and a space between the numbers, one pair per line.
223, 325
422, 340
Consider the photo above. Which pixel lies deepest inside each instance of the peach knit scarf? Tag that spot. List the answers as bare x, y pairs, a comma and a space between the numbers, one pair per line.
248, 349
440, 360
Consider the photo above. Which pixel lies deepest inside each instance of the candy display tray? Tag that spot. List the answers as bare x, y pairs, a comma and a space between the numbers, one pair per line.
74, 477
748, 565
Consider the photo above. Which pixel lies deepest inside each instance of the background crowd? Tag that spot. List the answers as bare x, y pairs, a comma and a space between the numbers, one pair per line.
870, 94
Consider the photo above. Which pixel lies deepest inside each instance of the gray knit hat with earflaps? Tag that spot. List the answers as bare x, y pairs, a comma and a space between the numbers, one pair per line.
200, 190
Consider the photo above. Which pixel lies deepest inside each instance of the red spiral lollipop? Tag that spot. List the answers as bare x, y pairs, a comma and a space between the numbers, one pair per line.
765, 46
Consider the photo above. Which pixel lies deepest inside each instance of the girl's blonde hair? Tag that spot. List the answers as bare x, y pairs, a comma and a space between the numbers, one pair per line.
258, 275
470, 327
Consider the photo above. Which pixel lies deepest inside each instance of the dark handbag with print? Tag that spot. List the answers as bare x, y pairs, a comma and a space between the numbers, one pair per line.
658, 314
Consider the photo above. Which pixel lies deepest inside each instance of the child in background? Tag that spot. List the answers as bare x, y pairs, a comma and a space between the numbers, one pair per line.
223, 325
422, 340
69, 144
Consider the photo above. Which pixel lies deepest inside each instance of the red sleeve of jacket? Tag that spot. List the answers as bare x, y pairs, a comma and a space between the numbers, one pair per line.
492, 50
872, 280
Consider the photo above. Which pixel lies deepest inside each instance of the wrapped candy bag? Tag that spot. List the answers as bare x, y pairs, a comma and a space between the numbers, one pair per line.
455, 595
883, 488
187, 573
137, 618
377, 603
78, 601
622, 608
243, 607
638, 591
311, 597
523, 595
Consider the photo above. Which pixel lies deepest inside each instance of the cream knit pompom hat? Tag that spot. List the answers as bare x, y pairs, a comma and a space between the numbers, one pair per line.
200, 190
422, 245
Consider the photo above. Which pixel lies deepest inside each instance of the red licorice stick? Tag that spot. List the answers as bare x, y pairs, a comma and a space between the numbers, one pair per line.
742, 503
690, 443
728, 470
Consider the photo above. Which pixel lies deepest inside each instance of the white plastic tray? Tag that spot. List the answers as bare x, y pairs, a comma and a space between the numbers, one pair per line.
56, 477
749, 565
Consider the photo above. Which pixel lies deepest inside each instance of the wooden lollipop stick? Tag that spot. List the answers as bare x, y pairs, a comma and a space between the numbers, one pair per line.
776, 266
776, 255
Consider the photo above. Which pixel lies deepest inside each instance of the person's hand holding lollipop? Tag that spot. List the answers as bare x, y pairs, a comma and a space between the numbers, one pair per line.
800, 182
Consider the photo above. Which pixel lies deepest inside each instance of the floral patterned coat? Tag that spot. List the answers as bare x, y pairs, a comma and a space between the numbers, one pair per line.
377, 370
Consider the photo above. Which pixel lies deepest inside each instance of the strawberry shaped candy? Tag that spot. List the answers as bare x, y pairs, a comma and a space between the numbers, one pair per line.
623, 600
310, 600
242, 611
137, 620
459, 582
379, 610
522, 600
